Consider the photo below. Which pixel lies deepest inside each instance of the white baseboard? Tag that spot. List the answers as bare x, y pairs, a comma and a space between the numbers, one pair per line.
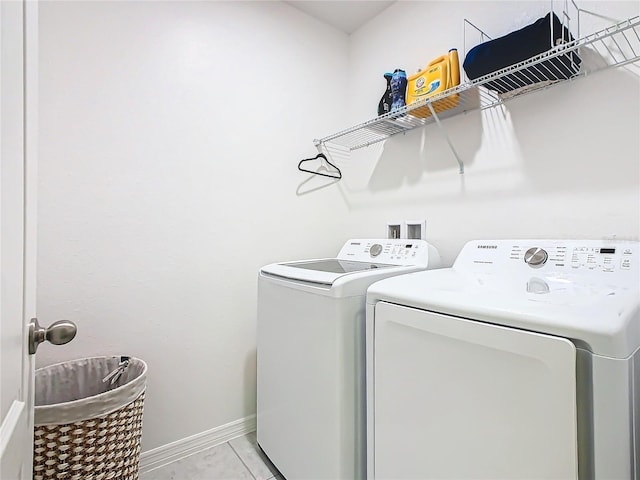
179, 449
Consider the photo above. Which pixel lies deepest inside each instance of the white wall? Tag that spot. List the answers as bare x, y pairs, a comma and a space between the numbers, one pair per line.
558, 163
170, 134
169, 138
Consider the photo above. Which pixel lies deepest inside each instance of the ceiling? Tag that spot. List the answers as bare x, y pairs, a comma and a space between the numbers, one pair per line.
345, 15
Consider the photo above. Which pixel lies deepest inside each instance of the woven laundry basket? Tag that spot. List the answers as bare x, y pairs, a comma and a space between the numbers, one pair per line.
88, 419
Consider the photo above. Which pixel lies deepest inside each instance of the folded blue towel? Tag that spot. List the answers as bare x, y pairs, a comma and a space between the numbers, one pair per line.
521, 45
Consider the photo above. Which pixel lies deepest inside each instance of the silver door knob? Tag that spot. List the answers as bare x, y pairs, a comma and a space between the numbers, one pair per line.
58, 333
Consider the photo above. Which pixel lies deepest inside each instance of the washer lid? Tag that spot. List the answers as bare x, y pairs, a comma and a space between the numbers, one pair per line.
360, 258
322, 271
335, 265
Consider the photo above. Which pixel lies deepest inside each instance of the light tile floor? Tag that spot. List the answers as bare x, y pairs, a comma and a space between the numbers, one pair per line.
238, 459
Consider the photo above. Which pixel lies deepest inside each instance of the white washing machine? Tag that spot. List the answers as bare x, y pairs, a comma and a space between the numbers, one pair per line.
310, 360
520, 362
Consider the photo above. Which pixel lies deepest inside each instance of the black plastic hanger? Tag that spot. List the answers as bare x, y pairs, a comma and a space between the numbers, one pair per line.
336, 174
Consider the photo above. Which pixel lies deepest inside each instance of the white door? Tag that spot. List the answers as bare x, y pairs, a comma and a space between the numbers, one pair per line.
18, 22
458, 399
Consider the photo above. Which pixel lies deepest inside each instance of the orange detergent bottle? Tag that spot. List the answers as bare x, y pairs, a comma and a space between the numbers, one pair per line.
441, 74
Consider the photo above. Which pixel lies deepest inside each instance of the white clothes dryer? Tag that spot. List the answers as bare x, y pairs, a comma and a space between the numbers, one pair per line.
521, 361
310, 360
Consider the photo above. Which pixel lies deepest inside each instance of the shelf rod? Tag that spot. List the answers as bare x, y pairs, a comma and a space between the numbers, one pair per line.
446, 137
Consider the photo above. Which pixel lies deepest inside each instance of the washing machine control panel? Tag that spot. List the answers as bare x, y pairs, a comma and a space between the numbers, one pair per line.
386, 251
603, 256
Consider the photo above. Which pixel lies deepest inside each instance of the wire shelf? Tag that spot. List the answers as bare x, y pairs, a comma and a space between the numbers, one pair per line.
615, 46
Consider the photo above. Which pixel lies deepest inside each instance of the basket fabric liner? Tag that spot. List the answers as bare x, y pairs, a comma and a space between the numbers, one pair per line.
73, 391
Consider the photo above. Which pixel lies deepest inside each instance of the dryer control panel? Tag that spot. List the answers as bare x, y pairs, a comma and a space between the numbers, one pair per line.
577, 256
390, 252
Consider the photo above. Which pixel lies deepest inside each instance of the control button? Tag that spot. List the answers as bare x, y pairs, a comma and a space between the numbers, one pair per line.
535, 257
375, 250
626, 264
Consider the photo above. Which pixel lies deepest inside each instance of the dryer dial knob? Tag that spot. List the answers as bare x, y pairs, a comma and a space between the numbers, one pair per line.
375, 250
535, 257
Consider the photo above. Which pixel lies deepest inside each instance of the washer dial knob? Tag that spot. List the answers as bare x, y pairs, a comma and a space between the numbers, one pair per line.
375, 250
535, 257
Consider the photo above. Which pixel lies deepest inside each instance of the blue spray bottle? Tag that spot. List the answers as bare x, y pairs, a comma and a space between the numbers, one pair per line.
398, 89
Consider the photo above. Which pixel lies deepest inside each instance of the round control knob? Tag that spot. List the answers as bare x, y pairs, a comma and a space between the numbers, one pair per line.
375, 250
535, 257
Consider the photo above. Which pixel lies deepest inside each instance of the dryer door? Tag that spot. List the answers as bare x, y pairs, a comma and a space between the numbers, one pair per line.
455, 398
